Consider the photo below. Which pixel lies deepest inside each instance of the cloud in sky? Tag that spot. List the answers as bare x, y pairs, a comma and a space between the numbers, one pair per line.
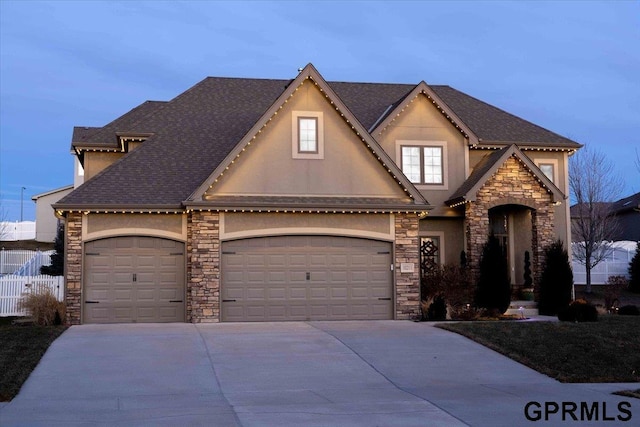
571, 67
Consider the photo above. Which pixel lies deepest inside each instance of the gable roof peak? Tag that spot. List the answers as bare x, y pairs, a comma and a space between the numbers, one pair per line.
309, 72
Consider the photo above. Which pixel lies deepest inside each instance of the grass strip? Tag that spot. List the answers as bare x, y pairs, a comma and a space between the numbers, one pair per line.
604, 351
21, 348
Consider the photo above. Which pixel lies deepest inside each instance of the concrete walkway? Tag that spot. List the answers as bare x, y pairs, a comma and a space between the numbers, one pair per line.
382, 373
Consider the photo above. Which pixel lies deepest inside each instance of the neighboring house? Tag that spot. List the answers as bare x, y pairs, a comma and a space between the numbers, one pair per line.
625, 210
255, 200
46, 220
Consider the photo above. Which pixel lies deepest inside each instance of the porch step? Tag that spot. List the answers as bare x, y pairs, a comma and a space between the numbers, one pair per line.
523, 308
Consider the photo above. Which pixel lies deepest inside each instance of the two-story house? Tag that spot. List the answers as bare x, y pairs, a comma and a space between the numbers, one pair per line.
259, 200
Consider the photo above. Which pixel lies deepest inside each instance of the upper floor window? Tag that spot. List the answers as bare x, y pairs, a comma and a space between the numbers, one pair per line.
547, 170
549, 167
307, 135
307, 132
423, 164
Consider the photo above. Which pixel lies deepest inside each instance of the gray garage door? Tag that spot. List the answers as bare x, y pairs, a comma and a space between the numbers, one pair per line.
306, 278
134, 279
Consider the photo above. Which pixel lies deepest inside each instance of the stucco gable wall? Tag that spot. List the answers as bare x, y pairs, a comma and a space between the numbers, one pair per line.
95, 162
267, 166
422, 122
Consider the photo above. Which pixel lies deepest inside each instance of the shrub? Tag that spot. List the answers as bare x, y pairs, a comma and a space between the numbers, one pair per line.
438, 309
57, 258
634, 271
494, 285
578, 311
449, 282
43, 306
615, 284
528, 281
556, 280
629, 310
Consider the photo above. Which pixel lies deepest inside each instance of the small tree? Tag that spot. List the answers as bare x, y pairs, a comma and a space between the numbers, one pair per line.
494, 285
556, 280
594, 184
528, 281
57, 258
634, 271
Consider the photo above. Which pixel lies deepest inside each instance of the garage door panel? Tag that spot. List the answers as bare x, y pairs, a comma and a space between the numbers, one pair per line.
276, 293
167, 314
276, 276
123, 314
298, 276
318, 292
255, 261
125, 243
255, 293
122, 261
359, 277
297, 260
297, 292
98, 261
359, 292
97, 294
254, 277
233, 293
339, 293
121, 295
276, 261
315, 277
144, 294
166, 294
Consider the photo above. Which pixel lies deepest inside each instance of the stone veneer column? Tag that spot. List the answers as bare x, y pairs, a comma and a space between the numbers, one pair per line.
203, 267
407, 250
73, 268
512, 184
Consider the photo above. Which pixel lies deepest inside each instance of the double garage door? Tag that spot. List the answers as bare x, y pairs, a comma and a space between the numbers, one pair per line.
306, 278
134, 279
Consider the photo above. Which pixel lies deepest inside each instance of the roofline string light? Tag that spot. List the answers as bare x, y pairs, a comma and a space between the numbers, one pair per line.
406, 190
433, 101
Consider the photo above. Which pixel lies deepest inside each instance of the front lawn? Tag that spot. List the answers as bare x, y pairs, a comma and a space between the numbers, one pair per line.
603, 351
21, 348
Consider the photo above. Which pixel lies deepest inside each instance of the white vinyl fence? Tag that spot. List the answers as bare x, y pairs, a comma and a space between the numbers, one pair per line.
23, 262
12, 288
13, 231
616, 263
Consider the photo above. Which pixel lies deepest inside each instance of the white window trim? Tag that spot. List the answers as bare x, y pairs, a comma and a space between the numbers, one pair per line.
422, 143
554, 162
295, 153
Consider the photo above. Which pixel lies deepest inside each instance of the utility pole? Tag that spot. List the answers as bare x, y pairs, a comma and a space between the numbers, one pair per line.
22, 203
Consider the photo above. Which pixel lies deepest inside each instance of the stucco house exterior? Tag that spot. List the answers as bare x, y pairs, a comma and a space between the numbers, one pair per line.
46, 220
259, 200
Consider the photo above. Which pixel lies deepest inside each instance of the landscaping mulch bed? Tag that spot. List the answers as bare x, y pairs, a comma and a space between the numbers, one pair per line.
604, 351
23, 345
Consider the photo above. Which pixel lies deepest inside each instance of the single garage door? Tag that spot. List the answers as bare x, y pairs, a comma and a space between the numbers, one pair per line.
306, 278
134, 279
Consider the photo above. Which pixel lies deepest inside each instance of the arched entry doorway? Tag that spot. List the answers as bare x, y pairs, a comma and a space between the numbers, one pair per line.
513, 226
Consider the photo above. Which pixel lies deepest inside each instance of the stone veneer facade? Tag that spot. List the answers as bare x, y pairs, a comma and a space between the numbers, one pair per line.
407, 250
512, 184
203, 267
73, 268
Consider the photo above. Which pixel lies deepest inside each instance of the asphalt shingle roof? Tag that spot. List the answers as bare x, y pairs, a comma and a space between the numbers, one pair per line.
194, 132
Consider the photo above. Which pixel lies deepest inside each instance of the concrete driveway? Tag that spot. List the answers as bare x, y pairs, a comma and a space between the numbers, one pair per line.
384, 373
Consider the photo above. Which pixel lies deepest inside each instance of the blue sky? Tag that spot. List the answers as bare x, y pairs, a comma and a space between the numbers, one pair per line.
572, 67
